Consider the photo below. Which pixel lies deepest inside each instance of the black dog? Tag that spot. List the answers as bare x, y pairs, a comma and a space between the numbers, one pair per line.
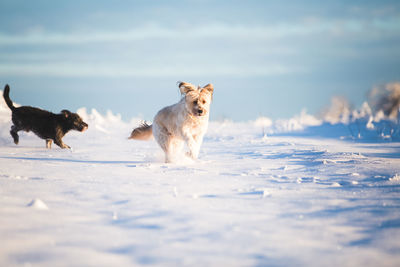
44, 124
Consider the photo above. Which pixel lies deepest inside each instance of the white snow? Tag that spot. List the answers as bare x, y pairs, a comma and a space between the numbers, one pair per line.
263, 193
38, 204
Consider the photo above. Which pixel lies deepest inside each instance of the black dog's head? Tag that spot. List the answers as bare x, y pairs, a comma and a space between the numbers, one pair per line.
74, 121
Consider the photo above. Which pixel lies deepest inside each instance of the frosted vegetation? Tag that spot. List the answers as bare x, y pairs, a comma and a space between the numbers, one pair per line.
378, 118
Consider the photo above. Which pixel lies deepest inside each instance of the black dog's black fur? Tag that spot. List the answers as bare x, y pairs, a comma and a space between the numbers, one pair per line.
45, 124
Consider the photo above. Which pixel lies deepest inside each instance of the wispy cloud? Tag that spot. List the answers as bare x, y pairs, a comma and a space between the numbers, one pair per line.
61, 69
369, 28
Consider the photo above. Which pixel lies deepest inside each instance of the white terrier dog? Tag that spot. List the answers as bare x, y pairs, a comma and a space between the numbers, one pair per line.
183, 122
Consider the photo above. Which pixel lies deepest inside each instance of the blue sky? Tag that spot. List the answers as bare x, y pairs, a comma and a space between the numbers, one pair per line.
269, 58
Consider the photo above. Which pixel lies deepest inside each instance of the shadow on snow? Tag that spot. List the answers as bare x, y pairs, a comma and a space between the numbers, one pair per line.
74, 160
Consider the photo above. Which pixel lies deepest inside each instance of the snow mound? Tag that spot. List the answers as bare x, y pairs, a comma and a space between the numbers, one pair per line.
38, 204
297, 123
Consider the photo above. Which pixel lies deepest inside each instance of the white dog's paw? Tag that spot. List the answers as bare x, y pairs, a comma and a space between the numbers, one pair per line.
192, 155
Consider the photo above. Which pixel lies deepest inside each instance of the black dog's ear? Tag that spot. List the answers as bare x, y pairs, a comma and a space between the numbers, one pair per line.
186, 87
66, 113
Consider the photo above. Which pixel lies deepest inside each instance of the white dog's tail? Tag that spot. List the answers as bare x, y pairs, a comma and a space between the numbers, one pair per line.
143, 132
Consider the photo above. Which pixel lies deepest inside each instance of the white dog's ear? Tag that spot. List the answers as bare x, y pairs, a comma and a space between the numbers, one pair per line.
209, 87
186, 87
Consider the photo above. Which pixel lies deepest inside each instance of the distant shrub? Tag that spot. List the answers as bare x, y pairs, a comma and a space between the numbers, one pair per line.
377, 118
387, 99
338, 112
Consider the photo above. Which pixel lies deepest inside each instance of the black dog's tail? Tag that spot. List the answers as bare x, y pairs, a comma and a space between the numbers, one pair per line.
6, 95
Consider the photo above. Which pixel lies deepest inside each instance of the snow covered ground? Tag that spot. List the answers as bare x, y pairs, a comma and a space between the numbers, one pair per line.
288, 193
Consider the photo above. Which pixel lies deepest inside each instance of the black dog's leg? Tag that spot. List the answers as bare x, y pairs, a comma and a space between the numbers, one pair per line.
48, 143
60, 143
14, 134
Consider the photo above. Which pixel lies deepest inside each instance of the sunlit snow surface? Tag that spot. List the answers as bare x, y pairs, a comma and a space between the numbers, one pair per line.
252, 199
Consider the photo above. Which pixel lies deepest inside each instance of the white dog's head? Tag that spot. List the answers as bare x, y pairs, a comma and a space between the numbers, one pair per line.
198, 99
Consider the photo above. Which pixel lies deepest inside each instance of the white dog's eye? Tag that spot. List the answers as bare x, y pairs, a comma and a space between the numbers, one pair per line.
195, 102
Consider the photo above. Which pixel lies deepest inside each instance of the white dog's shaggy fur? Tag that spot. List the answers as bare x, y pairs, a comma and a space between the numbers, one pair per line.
183, 122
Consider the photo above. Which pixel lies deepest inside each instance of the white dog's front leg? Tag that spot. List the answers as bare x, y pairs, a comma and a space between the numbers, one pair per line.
193, 144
